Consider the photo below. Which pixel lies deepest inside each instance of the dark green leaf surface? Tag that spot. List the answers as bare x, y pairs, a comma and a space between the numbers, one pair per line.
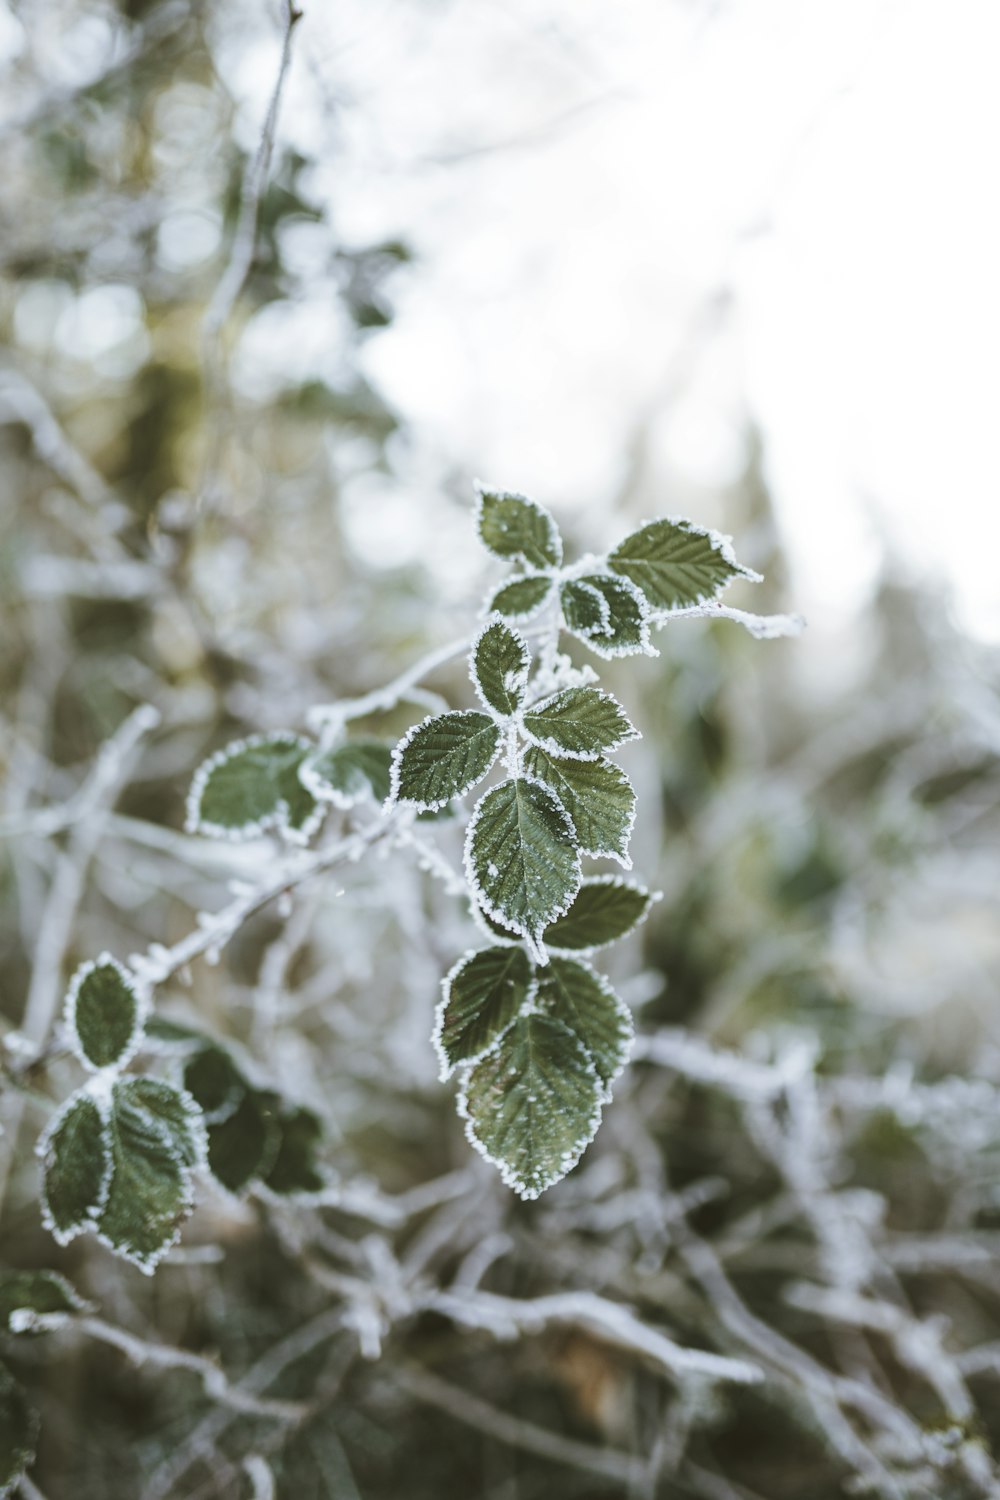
605, 909
214, 1082
75, 1152
150, 1194
103, 1013
514, 527
348, 774
482, 996
627, 633
581, 722
598, 797
295, 1168
253, 786
572, 993
500, 661
676, 563
520, 856
585, 609
444, 757
245, 1146
522, 598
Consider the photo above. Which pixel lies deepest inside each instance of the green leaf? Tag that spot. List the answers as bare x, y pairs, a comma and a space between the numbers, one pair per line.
522, 597
294, 1169
676, 563
176, 1109
520, 857
170, 1036
572, 993
18, 1433
605, 909
214, 1082
597, 796
246, 1145
514, 527
579, 722
36, 1301
584, 608
443, 757
627, 632
76, 1156
533, 1104
155, 1141
499, 665
482, 996
251, 786
104, 1013
351, 773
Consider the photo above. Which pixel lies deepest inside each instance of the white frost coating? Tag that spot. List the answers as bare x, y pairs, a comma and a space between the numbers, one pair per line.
488, 607
29, 1320
479, 917
559, 752
241, 832
396, 766
762, 627
446, 1068
514, 682
43, 1150
618, 882
325, 791
137, 989
645, 646
603, 627
555, 539
555, 675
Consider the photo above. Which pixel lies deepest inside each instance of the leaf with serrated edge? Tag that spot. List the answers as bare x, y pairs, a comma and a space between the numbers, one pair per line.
151, 1188
498, 665
520, 857
481, 996
606, 908
585, 610
37, 1301
443, 757
598, 798
76, 1175
19, 1424
105, 1013
514, 527
252, 786
582, 723
677, 564
532, 1105
629, 619
571, 992
521, 597
176, 1109
354, 772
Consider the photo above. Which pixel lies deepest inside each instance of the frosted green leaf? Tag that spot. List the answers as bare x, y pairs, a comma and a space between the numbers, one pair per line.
514, 527
351, 773
533, 1104
214, 1082
597, 796
499, 664
154, 1144
36, 1301
76, 1158
581, 722
585, 609
522, 597
245, 1146
294, 1169
627, 632
104, 1013
572, 993
676, 563
251, 786
18, 1433
443, 757
176, 1109
520, 857
481, 997
605, 909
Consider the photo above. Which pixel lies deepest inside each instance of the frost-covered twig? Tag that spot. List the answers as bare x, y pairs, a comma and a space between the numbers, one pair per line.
330, 718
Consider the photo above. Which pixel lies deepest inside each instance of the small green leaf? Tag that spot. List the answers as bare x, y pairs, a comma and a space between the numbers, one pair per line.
520, 856
572, 993
533, 1104
75, 1152
579, 722
36, 1301
676, 563
514, 527
176, 1109
251, 786
627, 632
597, 796
18, 1433
444, 757
585, 609
154, 1143
522, 597
294, 1169
605, 909
245, 1146
499, 665
481, 997
214, 1082
351, 773
104, 1013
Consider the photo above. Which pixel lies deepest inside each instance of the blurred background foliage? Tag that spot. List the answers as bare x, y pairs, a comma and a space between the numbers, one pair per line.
823, 828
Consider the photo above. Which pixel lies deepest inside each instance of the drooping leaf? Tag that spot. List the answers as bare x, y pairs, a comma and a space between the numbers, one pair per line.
444, 757
627, 632
251, 786
571, 992
605, 909
350, 773
294, 1169
520, 856
245, 1146
153, 1147
76, 1156
499, 661
533, 1104
676, 563
522, 597
597, 796
579, 722
584, 607
36, 1301
104, 1013
19, 1426
214, 1082
481, 997
514, 527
